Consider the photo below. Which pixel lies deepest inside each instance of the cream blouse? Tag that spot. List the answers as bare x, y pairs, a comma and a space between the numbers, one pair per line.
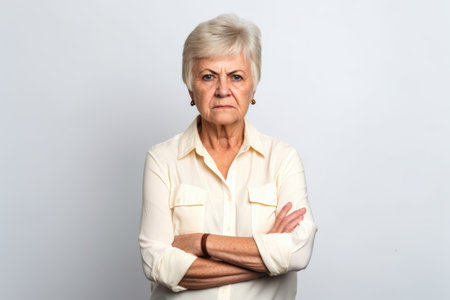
184, 192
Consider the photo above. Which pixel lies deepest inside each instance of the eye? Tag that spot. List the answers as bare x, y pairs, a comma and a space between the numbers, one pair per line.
207, 77
237, 77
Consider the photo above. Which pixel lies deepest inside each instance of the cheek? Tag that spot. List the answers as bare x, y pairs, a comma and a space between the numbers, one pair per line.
203, 96
251, 94
203, 90
245, 93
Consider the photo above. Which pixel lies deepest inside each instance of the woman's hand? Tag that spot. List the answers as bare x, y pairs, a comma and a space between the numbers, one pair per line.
284, 223
189, 243
287, 222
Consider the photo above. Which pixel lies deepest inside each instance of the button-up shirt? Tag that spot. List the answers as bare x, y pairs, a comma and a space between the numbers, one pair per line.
184, 192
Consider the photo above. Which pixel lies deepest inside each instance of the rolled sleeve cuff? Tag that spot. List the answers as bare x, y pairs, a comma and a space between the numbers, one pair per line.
275, 250
171, 268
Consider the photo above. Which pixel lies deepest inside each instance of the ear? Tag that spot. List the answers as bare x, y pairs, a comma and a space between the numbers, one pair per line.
191, 94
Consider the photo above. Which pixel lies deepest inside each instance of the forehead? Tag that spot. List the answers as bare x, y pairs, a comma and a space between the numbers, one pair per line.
225, 62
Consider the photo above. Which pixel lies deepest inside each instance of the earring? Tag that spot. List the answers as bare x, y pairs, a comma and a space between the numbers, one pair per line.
192, 102
253, 102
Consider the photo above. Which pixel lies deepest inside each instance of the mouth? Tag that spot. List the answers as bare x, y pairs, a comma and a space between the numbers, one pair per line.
223, 106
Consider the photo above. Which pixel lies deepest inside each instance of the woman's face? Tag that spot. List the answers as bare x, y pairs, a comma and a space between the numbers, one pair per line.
222, 88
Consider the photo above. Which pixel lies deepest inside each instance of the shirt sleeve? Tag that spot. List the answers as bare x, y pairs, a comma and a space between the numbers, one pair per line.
162, 263
284, 252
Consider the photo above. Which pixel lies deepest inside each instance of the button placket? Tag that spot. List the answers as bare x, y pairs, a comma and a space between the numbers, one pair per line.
226, 211
224, 292
231, 182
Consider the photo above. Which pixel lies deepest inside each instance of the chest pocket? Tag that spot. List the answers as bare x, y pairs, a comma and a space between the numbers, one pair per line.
263, 200
188, 209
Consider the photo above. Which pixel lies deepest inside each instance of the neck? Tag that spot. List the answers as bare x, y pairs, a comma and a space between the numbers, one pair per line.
221, 137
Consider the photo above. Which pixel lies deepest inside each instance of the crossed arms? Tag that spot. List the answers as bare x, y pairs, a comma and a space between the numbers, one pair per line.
239, 257
176, 261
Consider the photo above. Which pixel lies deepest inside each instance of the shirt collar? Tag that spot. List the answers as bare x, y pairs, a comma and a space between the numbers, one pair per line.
190, 140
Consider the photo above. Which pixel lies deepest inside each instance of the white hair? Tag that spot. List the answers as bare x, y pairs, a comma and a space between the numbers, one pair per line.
226, 34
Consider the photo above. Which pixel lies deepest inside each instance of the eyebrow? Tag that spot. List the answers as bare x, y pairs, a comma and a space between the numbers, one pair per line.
230, 73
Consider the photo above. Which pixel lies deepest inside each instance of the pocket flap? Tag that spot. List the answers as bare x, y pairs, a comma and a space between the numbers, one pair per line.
188, 195
265, 194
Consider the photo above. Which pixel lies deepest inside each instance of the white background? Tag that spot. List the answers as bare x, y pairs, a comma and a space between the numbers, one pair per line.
360, 88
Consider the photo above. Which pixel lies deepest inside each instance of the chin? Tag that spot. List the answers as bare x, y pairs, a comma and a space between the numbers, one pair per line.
225, 119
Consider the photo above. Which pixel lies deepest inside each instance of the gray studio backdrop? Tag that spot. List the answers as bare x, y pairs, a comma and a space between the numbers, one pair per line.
360, 88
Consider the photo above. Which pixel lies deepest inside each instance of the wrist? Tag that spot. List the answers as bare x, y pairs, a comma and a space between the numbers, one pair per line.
203, 247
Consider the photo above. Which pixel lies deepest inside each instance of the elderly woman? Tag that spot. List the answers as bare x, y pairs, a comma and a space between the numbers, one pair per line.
225, 212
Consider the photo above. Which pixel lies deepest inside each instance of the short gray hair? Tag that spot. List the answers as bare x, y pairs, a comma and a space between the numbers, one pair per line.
226, 34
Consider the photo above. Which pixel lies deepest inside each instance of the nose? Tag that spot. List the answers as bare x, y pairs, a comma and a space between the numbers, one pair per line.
223, 89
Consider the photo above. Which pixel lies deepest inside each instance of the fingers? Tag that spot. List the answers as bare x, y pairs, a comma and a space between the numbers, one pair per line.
281, 216
287, 223
284, 211
292, 220
291, 225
